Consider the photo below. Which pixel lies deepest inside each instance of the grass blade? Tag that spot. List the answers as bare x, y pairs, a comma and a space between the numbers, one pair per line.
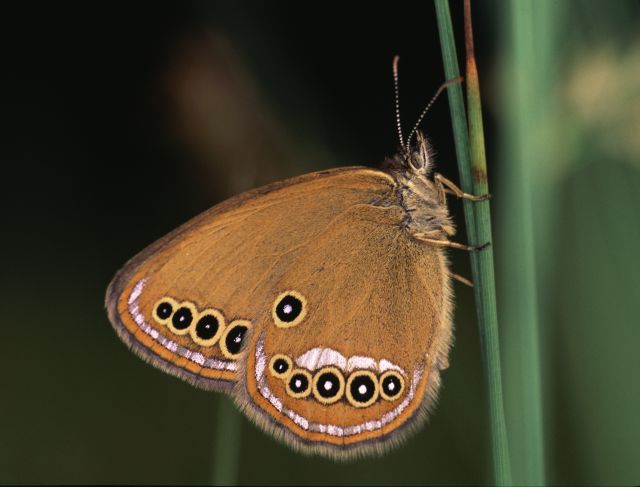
227, 444
478, 224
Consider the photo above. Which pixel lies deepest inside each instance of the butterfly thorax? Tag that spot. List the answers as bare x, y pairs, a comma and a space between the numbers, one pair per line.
421, 199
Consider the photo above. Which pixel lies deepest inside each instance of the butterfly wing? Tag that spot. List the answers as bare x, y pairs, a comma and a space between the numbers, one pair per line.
186, 303
362, 365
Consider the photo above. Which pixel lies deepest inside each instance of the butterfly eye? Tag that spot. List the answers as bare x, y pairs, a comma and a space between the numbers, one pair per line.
233, 337
182, 318
391, 385
280, 366
209, 327
328, 385
163, 310
289, 309
362, 389
299, 384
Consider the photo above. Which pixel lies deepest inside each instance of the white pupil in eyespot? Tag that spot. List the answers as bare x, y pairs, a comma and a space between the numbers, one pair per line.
327, 385
298, 383
287, 308
362, 389
237, 339
391, 386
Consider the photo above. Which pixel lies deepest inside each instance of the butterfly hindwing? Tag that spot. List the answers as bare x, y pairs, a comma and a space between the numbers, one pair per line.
188, 302
362, 365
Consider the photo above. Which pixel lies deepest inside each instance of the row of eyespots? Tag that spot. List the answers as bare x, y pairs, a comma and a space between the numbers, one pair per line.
206, 327
362, 388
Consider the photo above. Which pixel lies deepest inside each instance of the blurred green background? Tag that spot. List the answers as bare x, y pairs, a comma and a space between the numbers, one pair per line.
123, 121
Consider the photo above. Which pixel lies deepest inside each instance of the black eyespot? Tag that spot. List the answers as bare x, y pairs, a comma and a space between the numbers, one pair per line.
362, 389
207, 327
210, 325
299, 383
329, 385
233, 339
164, 310
280, 366
182, 318
391, 386
288, 308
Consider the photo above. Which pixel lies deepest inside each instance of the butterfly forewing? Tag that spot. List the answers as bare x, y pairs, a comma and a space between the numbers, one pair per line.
189, 302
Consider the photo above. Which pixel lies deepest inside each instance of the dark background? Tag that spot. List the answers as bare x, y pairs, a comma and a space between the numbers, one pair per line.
122, 121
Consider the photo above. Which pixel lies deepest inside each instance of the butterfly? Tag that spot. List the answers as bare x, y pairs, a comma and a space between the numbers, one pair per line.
322, 303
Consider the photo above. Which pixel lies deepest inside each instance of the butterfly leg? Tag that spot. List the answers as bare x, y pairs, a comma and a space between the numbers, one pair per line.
447, 186
423, 237
461, 279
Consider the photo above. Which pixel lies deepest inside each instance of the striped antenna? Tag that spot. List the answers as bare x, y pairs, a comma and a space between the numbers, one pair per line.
396, 88
443, 86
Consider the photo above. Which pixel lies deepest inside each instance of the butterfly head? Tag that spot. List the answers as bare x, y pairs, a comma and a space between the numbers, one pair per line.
415, 159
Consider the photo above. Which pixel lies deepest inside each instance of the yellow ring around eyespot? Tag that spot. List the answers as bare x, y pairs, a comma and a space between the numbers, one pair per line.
376, 387
221, 325
307, 391
166, 299
328, 400
385, 375
285, 375
284, 324
194, 314
223, 339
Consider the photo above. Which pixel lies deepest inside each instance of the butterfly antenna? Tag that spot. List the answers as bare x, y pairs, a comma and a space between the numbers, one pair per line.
443, 86
396, 90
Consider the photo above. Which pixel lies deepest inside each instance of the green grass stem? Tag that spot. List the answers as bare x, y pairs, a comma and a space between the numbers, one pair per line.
469, 142
486, 288
227, 443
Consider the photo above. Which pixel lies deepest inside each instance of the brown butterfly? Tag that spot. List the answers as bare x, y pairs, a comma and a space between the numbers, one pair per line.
322, 303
